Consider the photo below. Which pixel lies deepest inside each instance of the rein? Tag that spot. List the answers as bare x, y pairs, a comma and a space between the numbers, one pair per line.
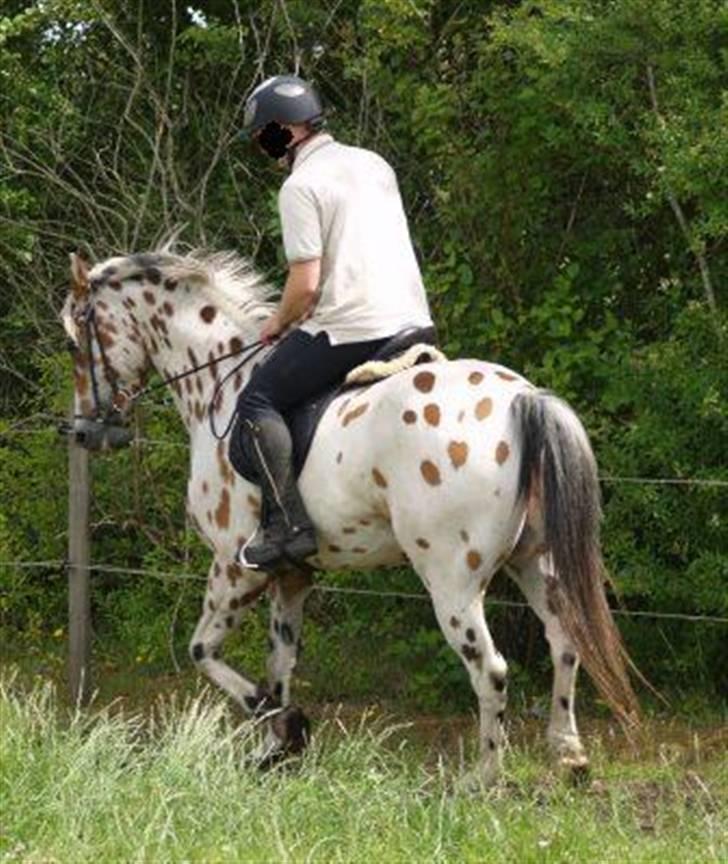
258, 346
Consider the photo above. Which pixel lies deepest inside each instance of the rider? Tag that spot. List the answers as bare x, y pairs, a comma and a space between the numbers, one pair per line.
353, 281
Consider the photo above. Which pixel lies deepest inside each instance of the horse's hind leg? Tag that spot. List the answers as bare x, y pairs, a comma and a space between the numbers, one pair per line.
531, 573
288, 594
458, 605
288, 731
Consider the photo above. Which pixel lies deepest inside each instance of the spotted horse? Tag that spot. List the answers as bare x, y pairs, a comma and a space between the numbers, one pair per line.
460, 468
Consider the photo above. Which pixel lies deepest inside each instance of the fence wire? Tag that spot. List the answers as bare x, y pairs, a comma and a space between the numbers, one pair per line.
174, 576
605, 478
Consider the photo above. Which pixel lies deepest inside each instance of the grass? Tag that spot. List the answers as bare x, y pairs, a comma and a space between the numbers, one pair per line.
172, 784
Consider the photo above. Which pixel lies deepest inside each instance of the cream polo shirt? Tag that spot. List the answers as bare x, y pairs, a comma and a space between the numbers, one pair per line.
342, 204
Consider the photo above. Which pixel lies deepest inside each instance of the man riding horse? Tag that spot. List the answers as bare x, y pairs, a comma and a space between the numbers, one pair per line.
353, 282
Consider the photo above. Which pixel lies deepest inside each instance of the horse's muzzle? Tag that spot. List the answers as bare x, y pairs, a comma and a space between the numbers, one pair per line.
101, 434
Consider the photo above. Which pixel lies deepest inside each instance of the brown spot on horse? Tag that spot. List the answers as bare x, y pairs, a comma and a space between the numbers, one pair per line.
379, 478
208, 313
409, 417
475, 377
430, 473
82, 382
432, 414
424, 381
458, 453
226, 471
222, 511
473, 558
483, 408
354, 413
234, 572
502, 452
422, 543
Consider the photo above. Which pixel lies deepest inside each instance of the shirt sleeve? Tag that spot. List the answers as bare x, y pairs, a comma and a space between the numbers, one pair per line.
301, 224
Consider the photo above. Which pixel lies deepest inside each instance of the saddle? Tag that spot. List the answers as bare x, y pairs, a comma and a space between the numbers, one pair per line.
304, 419
405, 349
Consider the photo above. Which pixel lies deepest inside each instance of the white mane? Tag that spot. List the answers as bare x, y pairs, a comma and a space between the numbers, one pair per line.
228, 280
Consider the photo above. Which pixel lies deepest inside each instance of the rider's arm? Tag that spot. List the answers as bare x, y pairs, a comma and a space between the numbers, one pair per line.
303, 245
300, 292
299, 297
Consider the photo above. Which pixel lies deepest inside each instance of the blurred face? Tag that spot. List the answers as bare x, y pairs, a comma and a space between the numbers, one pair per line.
275, 139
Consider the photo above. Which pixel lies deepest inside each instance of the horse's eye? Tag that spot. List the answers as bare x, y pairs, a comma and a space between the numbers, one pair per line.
71, 345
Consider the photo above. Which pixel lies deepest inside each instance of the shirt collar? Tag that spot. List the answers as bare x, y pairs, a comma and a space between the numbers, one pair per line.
310, 147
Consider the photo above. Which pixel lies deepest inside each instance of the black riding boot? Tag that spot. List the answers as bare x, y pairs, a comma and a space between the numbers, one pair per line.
287, 531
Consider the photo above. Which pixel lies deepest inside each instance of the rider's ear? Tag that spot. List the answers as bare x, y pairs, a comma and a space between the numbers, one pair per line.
79, 274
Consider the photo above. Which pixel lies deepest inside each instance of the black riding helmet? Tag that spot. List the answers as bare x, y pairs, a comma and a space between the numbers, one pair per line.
283, 99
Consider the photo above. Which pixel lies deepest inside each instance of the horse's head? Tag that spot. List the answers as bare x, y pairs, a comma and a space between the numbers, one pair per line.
106, 372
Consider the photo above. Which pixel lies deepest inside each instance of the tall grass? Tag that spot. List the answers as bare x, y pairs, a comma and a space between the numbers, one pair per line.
175, 786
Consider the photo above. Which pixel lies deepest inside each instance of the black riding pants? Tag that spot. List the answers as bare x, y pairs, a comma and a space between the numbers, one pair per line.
298, 369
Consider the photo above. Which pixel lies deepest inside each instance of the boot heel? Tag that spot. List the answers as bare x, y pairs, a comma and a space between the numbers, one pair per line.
301, 545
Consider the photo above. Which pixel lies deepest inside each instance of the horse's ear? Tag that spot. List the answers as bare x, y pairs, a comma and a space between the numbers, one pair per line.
79, 274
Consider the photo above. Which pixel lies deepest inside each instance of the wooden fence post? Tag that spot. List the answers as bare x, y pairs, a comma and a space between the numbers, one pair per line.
79, 598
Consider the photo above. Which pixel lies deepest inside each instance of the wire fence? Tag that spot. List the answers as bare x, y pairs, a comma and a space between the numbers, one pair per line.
351, 591
177, 576
604, 478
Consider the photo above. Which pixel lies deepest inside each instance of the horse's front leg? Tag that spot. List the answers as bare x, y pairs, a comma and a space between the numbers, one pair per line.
230, 591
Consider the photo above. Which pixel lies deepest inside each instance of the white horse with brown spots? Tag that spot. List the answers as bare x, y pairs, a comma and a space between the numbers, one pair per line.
460, 468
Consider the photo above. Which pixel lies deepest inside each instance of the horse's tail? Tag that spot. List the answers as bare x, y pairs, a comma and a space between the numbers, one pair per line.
558, 472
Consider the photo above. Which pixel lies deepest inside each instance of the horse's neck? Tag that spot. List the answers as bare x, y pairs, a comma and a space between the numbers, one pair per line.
196, 332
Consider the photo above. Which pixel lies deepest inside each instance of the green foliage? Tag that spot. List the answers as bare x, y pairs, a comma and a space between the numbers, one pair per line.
540, 148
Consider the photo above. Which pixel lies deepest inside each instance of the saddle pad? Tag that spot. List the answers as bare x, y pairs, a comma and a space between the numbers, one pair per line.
376, 370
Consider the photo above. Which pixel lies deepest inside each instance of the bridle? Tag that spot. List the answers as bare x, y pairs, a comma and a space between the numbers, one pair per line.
105, 427
91, 327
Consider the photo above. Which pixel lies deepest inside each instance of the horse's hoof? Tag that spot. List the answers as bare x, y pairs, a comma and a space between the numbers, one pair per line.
477, 782
292, 728
288, 733
576, 769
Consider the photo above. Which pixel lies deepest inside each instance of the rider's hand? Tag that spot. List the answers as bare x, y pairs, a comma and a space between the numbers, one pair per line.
271, 330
